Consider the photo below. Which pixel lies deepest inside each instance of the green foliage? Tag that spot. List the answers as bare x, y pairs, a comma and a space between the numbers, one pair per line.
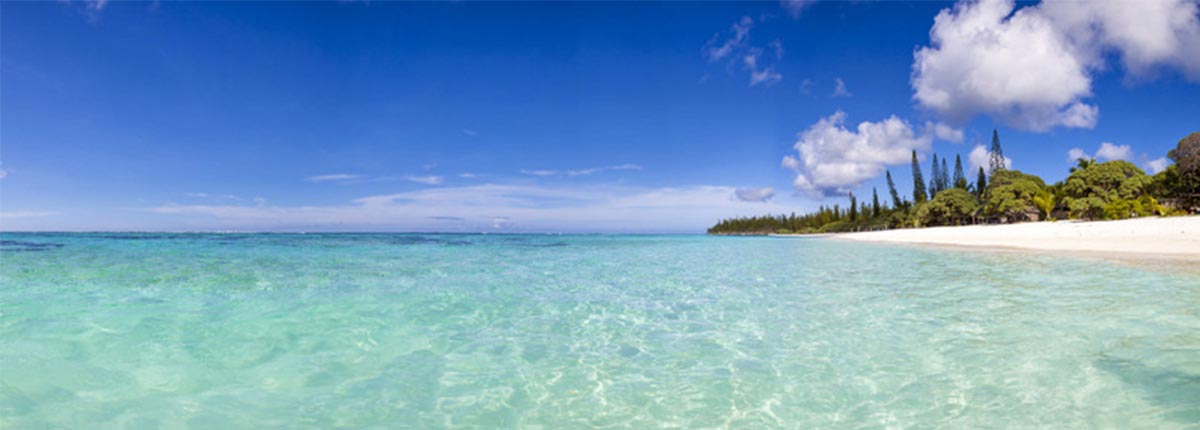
1102, 190
1187, 156
1010, 194
1044, 200
950, 207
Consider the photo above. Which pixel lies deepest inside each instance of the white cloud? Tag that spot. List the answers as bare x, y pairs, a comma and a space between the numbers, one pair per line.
736, 50
580, 172
806, 86
1108, 151
979, 157
539, 172
795, 7
592, 170
716, 50
1074, 154
333, 177
427, 180
1157, 165
757, 195
468, 175
944, 132
3, 173
25, 214
96, 5
839, 89
1032, 68
491, 206
832, 159
982, 60
470, 133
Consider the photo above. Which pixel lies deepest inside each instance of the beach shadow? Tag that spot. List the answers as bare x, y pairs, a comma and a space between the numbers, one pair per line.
1175, 391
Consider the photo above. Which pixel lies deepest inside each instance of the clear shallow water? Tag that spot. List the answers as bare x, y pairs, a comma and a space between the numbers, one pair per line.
564, 332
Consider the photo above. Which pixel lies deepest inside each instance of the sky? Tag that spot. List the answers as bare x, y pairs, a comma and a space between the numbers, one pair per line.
558, 117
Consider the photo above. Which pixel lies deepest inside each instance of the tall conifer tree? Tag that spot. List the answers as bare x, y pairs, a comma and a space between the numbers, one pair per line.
918, 180
996, 155
874, 202
960, 180
935, 183
980, 183
896, 202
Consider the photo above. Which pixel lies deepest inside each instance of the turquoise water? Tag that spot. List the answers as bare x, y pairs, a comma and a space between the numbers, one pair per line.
223, 331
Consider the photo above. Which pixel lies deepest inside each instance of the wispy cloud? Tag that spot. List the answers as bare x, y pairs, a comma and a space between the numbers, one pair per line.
839, 89
492, 206
469, 132
734, 49
468, 175
427, 180
580, 172
593, 170
25, 214
795, 8
333, 177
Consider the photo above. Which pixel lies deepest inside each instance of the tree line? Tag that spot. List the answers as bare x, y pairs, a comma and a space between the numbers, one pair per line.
1093, 190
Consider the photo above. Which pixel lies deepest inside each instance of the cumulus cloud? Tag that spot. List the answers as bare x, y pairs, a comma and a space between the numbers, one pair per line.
979, 157
735, 50
1074, 154
1032, 68
944, 132
3, 173
1157, 165
832, 159
839, 89
1108, 151
758, 195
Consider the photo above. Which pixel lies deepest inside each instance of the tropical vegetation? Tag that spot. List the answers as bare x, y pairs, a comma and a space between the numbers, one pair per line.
1109, 190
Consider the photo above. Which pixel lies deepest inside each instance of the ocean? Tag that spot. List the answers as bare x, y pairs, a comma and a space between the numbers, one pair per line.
447, 331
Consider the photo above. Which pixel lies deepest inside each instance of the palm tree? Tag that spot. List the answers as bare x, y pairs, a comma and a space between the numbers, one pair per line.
1083, 163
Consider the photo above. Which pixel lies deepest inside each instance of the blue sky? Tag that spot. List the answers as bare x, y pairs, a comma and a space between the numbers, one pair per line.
573, 117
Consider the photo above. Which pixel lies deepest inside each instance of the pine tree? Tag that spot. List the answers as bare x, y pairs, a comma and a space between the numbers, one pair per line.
996, 155
943, 177
875, 202
935, 184
896, 202
960, 180
853, 207
980, 183
918, 181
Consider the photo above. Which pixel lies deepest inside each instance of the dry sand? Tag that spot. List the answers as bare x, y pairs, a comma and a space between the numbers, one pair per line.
1169, 237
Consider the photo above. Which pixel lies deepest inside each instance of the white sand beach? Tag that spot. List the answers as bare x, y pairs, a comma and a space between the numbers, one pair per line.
1174, 237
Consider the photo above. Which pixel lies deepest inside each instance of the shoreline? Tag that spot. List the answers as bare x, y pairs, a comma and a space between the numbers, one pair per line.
1172, 237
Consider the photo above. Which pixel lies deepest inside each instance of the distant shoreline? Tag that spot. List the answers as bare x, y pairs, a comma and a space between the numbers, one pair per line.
1177, 237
